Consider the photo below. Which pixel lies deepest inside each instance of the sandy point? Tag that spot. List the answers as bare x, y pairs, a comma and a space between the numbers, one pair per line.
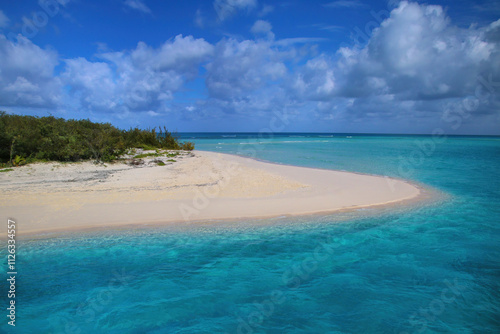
197, 187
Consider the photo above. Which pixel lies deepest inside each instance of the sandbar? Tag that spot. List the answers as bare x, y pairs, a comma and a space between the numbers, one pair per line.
197, 187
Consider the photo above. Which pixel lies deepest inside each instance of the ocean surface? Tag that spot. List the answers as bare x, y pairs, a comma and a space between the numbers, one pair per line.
432, 268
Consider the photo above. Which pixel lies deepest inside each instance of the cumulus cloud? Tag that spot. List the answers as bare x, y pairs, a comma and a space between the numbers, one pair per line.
27, 74
183, 54
415, 55
418, 54
141, 79
92, 83
315, 80
261, 27
414, 66
239, 68
228, 8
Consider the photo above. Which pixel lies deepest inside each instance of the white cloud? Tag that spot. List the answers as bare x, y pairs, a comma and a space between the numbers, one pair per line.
4, 20
152, 113
138, 5
266, 9
141, 79
416, 64
183, 54
261, 27
418, 54
22, 85
415, 54
287, 42
228, 8
315, 80
27, 74
91, 83
329, 27
239, 68
413, 64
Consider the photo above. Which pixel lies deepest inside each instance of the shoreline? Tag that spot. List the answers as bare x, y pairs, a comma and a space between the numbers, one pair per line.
202, 188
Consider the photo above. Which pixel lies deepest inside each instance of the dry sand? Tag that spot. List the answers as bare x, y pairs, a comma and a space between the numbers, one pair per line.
197, 187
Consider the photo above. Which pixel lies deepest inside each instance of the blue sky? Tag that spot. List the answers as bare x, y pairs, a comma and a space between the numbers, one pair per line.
240, 65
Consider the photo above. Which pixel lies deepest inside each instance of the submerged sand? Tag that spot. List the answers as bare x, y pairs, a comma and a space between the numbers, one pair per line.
197, 187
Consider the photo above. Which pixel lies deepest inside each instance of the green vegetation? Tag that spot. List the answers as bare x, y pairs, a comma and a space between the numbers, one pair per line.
24, 139
188, 146
6, 170
157, 154
18, 161
159, 162
145, 155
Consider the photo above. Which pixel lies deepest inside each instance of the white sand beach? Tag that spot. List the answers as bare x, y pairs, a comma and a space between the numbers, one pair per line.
198, 187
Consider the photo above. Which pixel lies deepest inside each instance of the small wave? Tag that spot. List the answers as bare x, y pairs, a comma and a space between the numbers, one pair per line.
286, 142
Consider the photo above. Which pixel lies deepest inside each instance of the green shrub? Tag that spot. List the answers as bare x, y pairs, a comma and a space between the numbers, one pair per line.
54, 139
18, 161
187, 146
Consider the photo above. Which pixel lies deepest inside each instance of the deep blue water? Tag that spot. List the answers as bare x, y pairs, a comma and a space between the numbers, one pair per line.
426, 269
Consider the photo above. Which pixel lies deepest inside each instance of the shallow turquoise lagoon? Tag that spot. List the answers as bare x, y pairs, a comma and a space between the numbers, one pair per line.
425, 269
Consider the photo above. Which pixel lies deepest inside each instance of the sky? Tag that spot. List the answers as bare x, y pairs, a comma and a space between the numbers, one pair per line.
354, 66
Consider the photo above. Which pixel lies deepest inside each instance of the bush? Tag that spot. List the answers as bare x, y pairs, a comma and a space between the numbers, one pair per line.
187, 146
29, 138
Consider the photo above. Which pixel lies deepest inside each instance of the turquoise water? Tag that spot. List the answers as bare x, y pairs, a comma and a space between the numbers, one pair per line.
426, 269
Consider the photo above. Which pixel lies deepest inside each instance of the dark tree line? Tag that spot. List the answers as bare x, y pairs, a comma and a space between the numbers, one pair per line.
30, 138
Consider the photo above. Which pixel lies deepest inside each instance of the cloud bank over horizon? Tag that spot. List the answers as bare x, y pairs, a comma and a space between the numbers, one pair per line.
416, 70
